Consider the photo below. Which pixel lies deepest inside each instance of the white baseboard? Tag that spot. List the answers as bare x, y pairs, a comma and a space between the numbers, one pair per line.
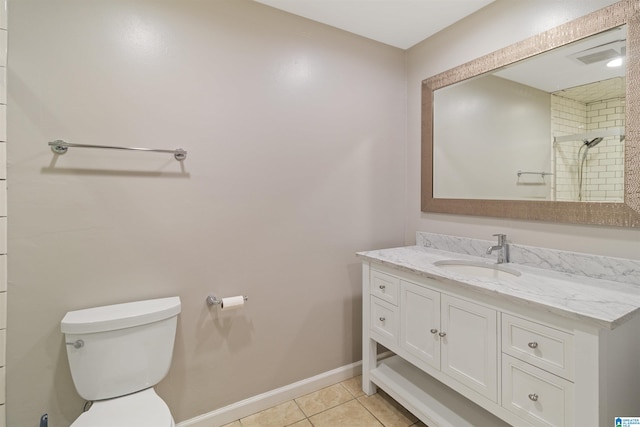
263, 401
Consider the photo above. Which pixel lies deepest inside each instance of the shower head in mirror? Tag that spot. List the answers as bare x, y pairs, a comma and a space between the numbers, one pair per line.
593, 142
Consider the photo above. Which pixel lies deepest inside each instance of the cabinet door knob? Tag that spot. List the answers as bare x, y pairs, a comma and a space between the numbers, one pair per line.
442, 334
434, 331
533, 397
382, 287
382, 319
533, 344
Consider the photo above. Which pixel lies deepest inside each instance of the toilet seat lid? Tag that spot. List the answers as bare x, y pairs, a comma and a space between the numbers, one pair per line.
142, 409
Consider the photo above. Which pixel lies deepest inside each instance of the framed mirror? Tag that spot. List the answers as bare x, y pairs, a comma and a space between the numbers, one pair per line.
545, 129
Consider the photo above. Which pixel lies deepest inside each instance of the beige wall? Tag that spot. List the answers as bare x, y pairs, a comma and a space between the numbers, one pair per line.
295, 139
498, 25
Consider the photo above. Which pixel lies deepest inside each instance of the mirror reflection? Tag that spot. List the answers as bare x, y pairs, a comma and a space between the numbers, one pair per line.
547, 128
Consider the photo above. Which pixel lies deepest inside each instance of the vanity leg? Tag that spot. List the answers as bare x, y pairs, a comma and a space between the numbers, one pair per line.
369, 362
369, 347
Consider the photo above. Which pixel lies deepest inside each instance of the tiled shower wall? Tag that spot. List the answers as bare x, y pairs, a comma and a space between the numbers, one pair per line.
603, 174
568, 117
3, 205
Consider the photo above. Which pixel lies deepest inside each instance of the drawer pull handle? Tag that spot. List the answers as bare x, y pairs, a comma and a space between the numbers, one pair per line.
533, 397
442, 334
533, 344
382, 319
434, 331
382, 287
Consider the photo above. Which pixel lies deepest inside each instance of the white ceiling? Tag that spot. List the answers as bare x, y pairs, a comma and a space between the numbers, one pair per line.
399, 23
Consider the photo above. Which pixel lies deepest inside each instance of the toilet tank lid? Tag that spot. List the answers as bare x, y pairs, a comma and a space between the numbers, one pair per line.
119, 316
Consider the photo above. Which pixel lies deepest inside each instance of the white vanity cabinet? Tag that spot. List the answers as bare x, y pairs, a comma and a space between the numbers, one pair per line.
463, 358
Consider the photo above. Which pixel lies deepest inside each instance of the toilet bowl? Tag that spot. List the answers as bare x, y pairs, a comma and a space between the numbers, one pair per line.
117, 354
142, 409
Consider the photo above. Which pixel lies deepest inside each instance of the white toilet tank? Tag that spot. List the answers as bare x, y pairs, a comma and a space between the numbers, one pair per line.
120, 349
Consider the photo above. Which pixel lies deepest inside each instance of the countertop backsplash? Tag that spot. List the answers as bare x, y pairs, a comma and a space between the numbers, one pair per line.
595, 266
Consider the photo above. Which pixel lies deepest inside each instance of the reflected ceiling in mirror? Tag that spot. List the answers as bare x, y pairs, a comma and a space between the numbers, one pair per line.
540, 130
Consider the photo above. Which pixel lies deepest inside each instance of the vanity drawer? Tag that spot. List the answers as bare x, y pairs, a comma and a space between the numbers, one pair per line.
542, 346
385, 287
535, 395
384, 321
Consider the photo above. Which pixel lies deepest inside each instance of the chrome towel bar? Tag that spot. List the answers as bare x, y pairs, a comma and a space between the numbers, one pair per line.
60, 147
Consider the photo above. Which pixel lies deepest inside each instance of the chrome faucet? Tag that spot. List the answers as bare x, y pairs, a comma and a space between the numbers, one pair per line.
503, 255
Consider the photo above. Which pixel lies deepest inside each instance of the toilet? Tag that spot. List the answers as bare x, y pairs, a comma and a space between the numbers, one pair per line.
117, 354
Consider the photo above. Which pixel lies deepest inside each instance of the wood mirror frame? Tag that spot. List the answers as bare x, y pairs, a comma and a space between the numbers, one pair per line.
626, 214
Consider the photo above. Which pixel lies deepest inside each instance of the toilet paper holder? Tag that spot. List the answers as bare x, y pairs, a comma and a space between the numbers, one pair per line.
212, 300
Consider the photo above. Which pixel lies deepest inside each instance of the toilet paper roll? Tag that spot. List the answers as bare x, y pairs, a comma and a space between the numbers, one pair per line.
232, 303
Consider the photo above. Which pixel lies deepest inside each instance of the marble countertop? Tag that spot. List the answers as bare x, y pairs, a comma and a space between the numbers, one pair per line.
601, 303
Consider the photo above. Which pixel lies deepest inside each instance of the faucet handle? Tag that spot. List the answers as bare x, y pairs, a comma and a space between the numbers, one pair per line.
501, 238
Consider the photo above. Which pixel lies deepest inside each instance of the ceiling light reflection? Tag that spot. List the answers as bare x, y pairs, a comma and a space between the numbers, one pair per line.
615, 62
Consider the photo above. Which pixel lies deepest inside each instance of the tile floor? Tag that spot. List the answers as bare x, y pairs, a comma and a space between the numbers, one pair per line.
340, 405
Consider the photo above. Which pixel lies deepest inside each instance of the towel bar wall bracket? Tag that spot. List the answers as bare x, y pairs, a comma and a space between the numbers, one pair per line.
60, 146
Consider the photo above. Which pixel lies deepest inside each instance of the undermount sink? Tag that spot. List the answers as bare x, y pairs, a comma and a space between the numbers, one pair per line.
477, 268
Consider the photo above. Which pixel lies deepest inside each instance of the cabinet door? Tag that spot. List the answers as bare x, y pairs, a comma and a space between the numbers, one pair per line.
420, 322
469, 347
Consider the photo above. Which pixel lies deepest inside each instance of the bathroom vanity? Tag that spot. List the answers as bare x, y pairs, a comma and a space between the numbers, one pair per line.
526, 346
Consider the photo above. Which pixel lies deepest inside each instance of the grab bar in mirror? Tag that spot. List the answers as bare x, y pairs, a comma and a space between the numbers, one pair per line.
60, 147
542, 174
